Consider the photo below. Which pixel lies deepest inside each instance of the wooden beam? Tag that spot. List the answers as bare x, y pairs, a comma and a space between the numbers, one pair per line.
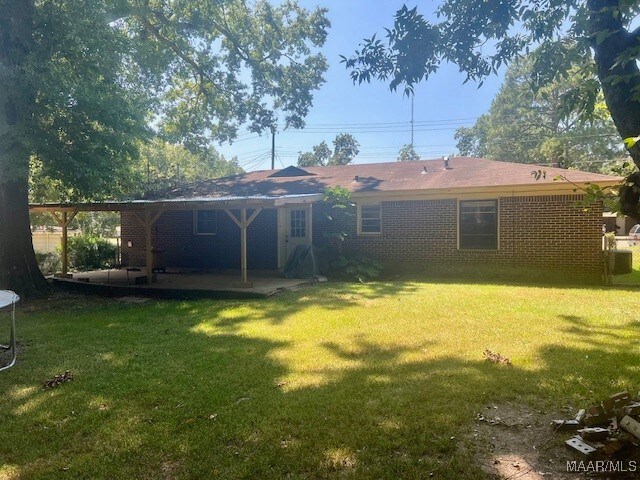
243, 223
65, 246
137, 217
63, 222
243, 245
156, 216
310, 224
58, 220
66, 219
148, 245
233, 217
254, 215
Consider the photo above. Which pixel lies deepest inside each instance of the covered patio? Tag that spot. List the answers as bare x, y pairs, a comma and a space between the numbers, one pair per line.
178, 284
241, 210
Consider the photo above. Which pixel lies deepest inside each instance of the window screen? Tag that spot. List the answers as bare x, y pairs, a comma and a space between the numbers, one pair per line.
479, 224
370, 219
206, 222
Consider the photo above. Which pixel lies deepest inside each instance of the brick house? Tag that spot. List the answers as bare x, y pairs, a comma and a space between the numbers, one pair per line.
456, 214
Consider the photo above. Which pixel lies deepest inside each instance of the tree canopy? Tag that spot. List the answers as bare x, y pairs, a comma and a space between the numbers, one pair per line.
480, 37
84, 82
529, 125
345, 149
408, 154
163, 164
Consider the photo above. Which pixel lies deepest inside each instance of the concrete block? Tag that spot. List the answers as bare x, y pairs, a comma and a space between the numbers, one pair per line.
601, 420
631, 426
617, 400
594, 434
577, 444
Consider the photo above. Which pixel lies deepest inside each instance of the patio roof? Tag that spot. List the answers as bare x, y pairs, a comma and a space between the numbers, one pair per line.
148, 211
229, 201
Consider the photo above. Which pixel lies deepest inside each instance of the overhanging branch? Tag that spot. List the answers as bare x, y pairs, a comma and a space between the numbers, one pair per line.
155, 31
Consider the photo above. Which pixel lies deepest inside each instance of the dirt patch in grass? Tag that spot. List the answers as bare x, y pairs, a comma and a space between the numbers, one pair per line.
515, 441
59, 301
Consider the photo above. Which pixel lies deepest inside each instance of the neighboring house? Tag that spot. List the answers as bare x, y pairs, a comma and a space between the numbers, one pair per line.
434, 215
620, 225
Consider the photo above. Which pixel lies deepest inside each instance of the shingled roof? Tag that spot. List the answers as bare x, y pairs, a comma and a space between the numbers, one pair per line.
460, 172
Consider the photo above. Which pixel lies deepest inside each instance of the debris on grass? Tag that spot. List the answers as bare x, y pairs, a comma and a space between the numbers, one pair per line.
606, 429
132, 299
67, 376
495, 357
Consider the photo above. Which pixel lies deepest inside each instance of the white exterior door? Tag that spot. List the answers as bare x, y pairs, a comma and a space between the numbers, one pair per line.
297, 227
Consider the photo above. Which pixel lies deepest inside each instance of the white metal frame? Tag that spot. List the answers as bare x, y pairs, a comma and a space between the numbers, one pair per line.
8, 299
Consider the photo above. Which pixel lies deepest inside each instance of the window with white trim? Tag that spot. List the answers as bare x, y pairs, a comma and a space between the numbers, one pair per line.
206, 222
370, 221
478, 225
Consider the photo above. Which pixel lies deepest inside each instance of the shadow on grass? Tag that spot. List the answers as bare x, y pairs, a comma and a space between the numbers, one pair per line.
156, 395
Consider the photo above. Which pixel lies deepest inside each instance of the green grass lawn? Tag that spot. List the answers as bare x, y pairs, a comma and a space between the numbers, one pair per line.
382, 380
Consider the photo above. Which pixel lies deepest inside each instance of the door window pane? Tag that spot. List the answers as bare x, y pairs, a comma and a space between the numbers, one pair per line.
298, 224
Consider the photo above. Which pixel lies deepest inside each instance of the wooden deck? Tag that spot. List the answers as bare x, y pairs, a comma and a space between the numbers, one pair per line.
179, 284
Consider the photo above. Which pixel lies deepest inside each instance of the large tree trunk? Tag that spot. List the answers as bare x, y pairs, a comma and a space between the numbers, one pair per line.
620, 84
18, 268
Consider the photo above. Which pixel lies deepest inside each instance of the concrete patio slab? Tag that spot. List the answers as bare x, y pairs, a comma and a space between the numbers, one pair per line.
180, 284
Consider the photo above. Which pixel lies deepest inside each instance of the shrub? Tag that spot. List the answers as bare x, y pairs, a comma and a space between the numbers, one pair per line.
49, 263
89, 252
359, 268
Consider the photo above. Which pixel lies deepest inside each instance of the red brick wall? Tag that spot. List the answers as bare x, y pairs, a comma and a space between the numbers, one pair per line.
544, 234
174, 234
536, 234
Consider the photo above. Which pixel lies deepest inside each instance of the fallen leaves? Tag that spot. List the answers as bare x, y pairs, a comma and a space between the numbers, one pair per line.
57, 380
495, 357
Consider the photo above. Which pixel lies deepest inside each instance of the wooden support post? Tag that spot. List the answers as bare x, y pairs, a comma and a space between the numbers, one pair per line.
65, 246
243, 223
148, 245
243, 245
310, 225
63, 222
147, 222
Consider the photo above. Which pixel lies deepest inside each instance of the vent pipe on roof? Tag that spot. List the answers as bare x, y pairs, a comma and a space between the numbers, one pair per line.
446, 162
424, 170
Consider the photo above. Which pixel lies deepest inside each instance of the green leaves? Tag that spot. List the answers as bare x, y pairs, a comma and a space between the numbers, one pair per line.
564, 122
196, 71
408, 154
345, 149
231, 63
339, 200
629, 142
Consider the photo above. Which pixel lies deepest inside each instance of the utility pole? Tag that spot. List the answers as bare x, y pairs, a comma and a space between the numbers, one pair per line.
273, 148
412, 95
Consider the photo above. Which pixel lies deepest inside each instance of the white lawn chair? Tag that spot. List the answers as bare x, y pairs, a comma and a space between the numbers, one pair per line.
8, 300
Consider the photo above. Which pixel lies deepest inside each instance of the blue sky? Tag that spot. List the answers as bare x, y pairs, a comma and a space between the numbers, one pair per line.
378, 118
